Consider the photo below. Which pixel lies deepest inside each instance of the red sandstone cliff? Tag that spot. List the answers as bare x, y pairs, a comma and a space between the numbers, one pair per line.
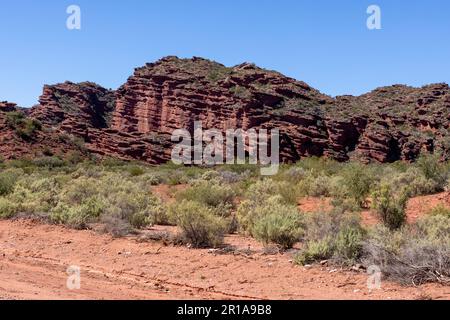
135, 122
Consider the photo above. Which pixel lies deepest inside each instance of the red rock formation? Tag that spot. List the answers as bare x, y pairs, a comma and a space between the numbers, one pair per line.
136, 121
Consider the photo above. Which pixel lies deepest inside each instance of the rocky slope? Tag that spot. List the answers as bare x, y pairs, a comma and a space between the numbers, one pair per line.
136, 121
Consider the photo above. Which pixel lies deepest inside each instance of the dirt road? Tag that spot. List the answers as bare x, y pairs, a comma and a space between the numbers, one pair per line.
34, 259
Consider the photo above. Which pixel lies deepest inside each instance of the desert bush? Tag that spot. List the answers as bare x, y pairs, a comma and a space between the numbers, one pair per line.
135, 171
113, 162
316, 250
210, 193
116, 226
231, 177
139, 209
289, 193
283, 227
440, 210
8, 208
433, 169
74, 157
36, 194
131, 201
335, 235
294, 174
111, 199
200, 226
390, 206
152, 178
251, 211
79, 215
319, 187
357, 181
320, 166
210, 175
413, 181
49, 162
266, 188
8, 180
413, 255
24, 127
177, 177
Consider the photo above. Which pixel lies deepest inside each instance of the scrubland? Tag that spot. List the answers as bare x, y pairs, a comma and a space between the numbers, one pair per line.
116, 197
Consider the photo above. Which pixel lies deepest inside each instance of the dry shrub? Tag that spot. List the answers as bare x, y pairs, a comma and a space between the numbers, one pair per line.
413, 255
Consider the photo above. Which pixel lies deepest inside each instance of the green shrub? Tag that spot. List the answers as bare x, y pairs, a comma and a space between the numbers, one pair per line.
282, 228
8, 181
78, 199
36, 194
80, 215
348, 243
200, 226
49, 162
152, 178
210, 193
433, 169
357, 181
24, 127
293, 175
434, 227
390, 206
413, 181
266, 188
320, 166
7, 208
316, 250
332, 235
135, 171
177, 177
74, 157
320, 187
250, 211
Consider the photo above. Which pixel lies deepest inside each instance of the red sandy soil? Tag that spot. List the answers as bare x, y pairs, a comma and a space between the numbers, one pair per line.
34, 258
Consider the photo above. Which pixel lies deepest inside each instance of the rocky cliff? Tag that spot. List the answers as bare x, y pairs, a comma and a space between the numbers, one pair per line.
136, 121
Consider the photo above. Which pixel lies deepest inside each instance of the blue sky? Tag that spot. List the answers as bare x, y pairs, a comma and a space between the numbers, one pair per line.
323, 42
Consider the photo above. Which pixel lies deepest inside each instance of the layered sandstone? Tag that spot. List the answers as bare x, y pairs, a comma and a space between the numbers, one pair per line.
136, 121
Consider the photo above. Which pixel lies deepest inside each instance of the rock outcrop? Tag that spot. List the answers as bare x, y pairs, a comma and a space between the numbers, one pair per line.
136, 121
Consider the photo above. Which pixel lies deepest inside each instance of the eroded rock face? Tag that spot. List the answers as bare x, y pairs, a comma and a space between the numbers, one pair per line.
137, 120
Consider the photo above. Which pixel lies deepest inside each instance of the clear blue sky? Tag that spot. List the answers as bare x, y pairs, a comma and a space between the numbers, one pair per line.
323, 42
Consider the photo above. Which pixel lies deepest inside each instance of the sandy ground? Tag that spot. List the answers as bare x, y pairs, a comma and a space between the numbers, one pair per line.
34, 258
